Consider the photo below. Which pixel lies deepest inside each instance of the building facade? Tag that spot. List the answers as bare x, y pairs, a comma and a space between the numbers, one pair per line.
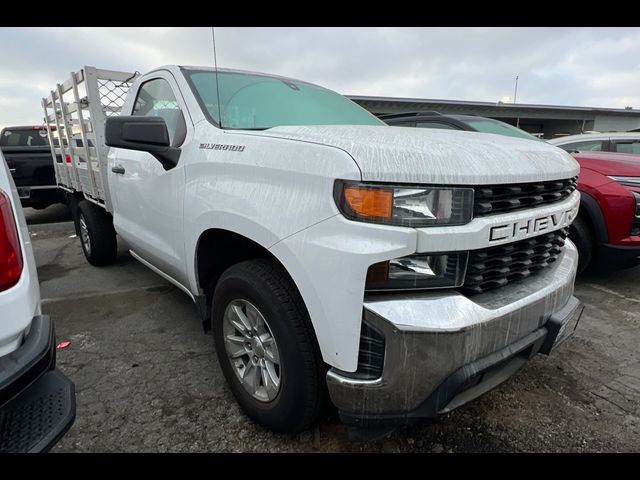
546, 121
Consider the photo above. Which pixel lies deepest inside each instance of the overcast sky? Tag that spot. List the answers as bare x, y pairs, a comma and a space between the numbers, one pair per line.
597, 67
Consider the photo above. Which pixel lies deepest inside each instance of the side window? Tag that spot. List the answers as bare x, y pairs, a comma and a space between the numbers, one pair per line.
156, 99
592, 146
24, 138
631, 146
443, 126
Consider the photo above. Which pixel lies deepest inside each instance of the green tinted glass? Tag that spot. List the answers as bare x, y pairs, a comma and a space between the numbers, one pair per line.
250, 101
499, 128
627, 147
593, 146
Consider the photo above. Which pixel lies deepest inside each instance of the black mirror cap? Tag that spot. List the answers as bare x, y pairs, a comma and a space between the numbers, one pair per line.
136, 133
147, 134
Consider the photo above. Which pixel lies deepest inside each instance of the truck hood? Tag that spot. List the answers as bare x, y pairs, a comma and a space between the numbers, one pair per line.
423, 155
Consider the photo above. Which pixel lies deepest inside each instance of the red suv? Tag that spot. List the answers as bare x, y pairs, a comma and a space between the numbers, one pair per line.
607, 230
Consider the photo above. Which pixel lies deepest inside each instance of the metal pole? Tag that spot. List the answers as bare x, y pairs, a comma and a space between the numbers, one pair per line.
515, 93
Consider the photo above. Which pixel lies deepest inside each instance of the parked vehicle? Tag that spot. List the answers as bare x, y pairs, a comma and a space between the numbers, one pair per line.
470, 123
405, 270
601, 195
28, 155
37, 402
622, 142
607, 229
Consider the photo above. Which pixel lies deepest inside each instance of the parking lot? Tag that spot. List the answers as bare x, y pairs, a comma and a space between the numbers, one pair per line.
147, 378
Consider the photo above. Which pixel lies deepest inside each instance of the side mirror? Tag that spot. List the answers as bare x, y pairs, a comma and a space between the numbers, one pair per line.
147, 134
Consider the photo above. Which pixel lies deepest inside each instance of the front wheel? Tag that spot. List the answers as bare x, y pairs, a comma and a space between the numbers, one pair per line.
97, 235
266, 347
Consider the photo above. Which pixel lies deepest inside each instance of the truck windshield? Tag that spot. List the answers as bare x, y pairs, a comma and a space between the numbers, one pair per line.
23, 137
257, 102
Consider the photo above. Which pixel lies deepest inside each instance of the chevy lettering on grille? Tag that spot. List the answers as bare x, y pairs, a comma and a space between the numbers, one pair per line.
533, 226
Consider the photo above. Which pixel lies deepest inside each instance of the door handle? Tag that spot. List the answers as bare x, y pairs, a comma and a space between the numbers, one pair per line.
12, 170
119, 169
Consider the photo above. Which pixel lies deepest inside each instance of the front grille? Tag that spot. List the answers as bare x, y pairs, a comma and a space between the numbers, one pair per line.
495, 267
491, 199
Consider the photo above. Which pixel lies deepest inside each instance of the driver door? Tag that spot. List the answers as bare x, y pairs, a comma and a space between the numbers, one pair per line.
148, 200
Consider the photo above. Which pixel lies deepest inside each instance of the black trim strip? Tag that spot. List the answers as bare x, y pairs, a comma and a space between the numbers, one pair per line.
25, 365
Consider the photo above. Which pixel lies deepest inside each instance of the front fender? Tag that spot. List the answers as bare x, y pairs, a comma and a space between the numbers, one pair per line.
224, 221
328, 262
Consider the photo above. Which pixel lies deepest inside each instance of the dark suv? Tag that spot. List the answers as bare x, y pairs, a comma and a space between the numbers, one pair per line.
470, 123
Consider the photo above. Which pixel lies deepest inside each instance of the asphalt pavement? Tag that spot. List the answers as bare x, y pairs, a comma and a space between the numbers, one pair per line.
147, 378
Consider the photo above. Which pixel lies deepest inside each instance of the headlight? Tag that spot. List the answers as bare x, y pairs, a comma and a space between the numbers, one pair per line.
629, 181
420, 271
408, 206
635, 224
632, 182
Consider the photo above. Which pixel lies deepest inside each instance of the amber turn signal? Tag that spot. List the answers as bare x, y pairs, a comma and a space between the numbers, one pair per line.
369, 202
378, 273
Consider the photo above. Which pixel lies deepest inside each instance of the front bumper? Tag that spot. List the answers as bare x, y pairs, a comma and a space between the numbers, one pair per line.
443, 349
37, 402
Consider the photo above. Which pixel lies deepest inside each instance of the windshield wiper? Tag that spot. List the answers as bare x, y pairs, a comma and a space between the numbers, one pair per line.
246, 128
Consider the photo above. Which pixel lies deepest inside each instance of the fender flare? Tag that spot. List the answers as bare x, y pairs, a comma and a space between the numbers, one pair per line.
590, 205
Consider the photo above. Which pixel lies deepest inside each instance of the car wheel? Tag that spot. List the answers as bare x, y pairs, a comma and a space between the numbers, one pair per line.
580, 235
97, 235
266, 346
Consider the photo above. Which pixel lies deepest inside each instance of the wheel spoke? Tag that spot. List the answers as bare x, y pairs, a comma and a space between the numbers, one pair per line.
252, 376
252, 316
270, 350
261, 326
240, 322
236, 340
236, 351
241, 316
272, 356
265, 377
240, 328
271, 373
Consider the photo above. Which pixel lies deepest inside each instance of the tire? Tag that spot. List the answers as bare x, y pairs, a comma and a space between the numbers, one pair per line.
302, 391
96, 233
580, 235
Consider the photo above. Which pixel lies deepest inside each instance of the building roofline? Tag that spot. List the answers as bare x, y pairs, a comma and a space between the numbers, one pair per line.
507, 106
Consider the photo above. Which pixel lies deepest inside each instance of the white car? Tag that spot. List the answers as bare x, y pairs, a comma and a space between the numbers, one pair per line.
623, 142
37, 402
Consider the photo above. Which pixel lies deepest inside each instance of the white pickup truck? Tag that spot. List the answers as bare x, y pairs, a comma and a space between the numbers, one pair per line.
402, 271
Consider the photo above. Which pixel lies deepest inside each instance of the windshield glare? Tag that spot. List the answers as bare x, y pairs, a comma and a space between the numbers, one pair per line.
250, 101
500, 128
